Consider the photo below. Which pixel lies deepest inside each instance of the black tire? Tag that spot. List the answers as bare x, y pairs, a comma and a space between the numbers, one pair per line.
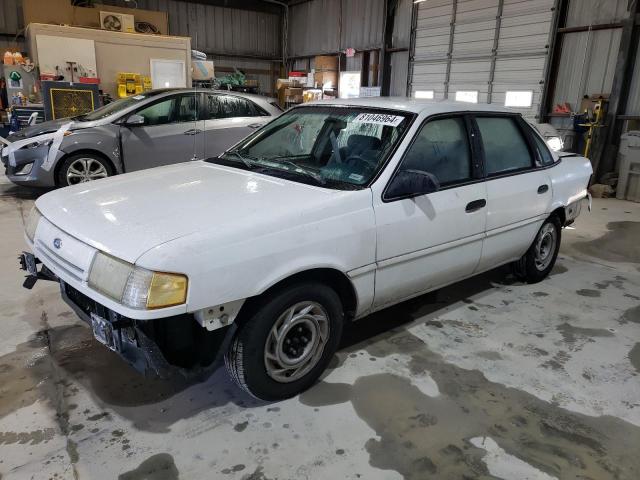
245, 360
530, 268
93, 165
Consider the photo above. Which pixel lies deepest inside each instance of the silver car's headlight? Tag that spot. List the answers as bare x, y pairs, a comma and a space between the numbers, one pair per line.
32, 223
136, 287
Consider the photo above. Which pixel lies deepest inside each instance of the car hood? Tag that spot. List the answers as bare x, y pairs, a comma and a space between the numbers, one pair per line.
46, 127
130, 214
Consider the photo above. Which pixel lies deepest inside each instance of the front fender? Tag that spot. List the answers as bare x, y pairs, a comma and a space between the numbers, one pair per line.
102, 139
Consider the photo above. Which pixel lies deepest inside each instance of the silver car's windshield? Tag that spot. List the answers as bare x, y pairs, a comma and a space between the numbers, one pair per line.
115, 107
339, 147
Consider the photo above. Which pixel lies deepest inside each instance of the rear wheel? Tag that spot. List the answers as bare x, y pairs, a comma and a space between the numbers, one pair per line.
287, 343
81, 168
539, 260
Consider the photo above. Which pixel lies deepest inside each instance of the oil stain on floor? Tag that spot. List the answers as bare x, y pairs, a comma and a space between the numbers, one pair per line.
423, 437
157, 467
619, 244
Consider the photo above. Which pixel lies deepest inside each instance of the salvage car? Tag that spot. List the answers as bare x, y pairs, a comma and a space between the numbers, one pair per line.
155, 128
328, 213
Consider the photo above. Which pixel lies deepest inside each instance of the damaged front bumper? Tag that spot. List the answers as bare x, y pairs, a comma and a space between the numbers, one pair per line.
163, 347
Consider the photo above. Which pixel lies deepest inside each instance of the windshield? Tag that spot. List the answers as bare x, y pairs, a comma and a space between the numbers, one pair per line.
114, 107
336, 147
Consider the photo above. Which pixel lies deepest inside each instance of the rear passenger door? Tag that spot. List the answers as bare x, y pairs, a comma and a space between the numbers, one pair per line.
435, 239
228, 119
518, 188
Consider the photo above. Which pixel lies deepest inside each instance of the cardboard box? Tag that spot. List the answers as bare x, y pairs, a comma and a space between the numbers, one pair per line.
293, 92
324, 78
326, 62
202, 69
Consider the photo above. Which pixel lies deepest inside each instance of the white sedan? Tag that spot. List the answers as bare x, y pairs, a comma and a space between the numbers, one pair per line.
330, 212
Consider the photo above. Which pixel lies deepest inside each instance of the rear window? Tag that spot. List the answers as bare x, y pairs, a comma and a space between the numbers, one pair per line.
505, 148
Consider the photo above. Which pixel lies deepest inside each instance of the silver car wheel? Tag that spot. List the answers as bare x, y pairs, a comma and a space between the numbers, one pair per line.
84, 170
296, 341
545, 246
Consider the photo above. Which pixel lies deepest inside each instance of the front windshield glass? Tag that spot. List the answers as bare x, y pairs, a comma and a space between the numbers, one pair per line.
335, 147
114, 107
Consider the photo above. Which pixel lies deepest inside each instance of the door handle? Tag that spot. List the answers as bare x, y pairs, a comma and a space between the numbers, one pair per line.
254, 125
475, 205
543, 188
193, 131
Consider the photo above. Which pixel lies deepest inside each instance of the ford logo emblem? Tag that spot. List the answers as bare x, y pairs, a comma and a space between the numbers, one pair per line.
57, 243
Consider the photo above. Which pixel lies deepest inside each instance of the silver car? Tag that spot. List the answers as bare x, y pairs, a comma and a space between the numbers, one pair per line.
155, 128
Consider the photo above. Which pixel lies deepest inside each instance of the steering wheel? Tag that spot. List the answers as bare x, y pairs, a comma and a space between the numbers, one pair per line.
353, 160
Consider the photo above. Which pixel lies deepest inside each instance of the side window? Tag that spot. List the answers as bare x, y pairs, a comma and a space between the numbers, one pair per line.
159, 113
187, 108
505, 149
543, 149
232, 106
211, 107
442, 149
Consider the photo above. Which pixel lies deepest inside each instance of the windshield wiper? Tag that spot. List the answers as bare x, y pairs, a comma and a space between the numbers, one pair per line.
248, 163
298, 169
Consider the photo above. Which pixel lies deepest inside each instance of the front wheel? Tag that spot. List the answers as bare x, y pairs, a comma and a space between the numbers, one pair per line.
539, 260
81, 168
287, 343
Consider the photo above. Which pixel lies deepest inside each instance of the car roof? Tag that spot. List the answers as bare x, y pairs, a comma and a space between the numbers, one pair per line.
414, 105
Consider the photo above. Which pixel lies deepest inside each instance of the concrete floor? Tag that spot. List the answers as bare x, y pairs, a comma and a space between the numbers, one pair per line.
489, 378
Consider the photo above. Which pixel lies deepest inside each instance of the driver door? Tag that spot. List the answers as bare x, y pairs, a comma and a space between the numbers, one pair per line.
432, 240
171, 134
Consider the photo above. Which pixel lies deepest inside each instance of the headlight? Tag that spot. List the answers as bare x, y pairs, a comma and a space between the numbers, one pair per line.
136, 287
38, 143
32, 223
555, 143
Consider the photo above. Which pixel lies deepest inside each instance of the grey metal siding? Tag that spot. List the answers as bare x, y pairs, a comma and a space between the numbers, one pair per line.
457, 47
588, 59
329, 26
593, 12
219, 30
633, 102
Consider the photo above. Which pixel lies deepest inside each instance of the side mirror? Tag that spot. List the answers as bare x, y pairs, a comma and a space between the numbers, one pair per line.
134, 121
411, 183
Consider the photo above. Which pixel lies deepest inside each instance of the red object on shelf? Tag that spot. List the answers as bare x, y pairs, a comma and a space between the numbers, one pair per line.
297, 74
92, 80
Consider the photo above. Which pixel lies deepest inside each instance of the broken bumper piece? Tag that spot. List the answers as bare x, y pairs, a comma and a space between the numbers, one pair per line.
121, 334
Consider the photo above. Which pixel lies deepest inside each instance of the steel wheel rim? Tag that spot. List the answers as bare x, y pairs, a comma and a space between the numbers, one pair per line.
287, 357
545, 246
85, 170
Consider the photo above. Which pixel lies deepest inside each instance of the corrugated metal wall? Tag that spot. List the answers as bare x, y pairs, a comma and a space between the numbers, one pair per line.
329, 26
11, 24
215, 30
588, 59
633, 102
458, 47
219, 30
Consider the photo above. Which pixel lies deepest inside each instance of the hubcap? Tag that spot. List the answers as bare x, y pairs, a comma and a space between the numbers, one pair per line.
545, 246
296, 341
84, 170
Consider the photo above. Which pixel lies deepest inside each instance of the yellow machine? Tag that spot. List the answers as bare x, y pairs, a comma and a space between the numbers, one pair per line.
594, 123
132, 84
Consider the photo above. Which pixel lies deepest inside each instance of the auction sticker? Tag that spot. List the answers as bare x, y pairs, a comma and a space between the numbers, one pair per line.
379, 118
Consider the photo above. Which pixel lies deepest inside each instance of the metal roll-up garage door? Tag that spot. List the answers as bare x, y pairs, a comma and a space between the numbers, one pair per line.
484, 46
